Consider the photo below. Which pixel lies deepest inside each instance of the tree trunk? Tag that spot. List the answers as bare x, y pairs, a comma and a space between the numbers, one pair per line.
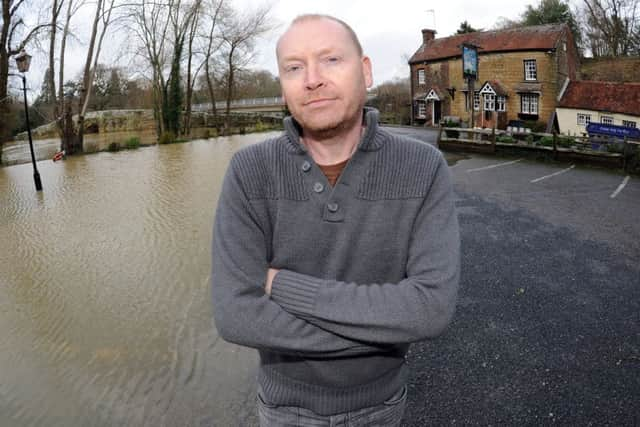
189, 95
65, 124
227, 118
212, 96
4, 74
55, 10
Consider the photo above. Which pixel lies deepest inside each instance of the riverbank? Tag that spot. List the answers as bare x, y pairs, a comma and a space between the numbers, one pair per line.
115, 131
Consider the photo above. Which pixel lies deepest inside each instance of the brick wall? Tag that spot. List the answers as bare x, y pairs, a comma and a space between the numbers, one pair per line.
618, 69
508, 69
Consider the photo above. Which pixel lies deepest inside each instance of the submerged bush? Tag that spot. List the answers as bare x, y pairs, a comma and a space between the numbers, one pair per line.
133, 142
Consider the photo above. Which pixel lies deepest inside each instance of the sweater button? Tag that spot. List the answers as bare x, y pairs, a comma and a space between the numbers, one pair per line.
306, 166
333, 207
318, 187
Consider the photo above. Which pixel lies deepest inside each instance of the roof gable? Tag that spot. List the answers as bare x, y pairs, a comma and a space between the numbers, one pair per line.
538, 37
432, 95
623, 98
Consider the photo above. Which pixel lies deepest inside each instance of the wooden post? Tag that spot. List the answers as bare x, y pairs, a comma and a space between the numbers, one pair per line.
625, 163
555, 146
472, 95
493, 138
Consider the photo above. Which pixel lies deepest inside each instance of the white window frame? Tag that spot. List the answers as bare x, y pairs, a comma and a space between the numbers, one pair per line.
501, 103
583, 119
422, 110
606, 120
422, 76
529, 103
489, 102
530, 70
629, 124
476, 101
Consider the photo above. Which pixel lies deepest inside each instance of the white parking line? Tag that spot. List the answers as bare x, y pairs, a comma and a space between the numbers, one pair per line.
494, 166
554, 174
620, 187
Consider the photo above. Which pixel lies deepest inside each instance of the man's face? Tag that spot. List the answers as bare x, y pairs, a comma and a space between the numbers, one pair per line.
324, 79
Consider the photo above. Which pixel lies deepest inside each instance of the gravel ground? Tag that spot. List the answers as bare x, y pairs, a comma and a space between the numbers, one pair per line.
546, 330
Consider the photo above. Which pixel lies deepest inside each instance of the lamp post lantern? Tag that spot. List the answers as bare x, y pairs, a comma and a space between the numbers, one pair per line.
23, 61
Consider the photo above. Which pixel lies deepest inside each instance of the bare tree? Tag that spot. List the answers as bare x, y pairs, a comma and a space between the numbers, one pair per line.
191, 77
14, 36
56, 8
239, 37
102, 19
612, 27
150, 24
182, 17
162, 27
216, 12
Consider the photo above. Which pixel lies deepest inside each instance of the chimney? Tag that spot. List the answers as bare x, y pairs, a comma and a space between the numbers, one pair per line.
428, 35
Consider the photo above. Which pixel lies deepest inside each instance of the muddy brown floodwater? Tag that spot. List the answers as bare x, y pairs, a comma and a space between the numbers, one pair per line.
105, 312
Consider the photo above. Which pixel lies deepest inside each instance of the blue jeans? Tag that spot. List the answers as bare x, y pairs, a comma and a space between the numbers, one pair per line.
387, 414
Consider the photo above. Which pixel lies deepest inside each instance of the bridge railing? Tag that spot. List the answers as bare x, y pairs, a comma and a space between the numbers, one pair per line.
252, 102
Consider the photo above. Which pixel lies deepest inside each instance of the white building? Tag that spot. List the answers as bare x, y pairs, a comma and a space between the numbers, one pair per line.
584, 102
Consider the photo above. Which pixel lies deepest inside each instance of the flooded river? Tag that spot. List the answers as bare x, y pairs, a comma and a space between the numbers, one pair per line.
105, 314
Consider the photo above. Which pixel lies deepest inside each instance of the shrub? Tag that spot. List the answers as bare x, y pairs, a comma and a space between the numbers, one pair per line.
507, 139
535, 126
132, 143
565, 142
546, 141
167, 138
260, 127
615, 147
114, 146
450, 124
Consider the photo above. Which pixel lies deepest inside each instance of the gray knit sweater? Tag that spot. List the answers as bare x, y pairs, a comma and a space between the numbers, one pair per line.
367, 266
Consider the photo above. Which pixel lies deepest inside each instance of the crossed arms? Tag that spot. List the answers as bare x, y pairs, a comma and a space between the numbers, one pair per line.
289, 312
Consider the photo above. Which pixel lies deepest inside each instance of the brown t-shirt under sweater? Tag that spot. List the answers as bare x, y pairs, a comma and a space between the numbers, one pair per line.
332, 172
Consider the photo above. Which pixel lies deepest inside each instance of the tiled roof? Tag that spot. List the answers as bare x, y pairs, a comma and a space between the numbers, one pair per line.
612, 97
538, 37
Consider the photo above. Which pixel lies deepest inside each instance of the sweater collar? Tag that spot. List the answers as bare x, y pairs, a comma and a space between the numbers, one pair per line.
370, 141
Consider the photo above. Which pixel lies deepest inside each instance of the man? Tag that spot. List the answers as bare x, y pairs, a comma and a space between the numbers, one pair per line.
335, 245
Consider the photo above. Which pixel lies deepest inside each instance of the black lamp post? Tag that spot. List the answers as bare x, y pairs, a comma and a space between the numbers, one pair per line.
23, 60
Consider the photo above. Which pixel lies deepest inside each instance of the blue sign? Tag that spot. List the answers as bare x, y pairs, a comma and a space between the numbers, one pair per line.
613, 130
469, 61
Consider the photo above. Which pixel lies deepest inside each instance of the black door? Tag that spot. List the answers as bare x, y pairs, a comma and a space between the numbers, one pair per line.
437, 112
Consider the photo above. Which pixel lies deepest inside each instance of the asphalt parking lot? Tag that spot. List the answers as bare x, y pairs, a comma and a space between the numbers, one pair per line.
546, 330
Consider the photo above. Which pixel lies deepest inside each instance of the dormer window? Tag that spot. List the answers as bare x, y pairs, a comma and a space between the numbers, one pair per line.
530, 70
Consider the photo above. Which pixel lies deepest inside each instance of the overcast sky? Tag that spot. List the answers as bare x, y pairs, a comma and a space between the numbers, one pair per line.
390, 31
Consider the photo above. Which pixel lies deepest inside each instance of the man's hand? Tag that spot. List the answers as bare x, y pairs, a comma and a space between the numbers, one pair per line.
271, 273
